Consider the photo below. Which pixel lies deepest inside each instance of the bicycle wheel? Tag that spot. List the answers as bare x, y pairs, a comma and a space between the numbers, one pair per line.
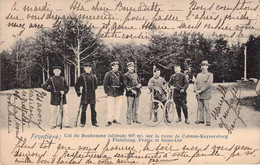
153, 113
169, 112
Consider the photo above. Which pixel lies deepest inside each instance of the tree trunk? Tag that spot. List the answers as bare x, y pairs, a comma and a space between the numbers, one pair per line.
48, 68
43, 75
69, 79
76, 77
65, 71
78, 60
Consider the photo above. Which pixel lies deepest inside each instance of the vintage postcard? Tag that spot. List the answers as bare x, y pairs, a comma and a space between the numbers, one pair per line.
129, 82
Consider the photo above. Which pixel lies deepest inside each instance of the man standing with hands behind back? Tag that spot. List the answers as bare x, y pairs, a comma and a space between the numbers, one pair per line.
202, 87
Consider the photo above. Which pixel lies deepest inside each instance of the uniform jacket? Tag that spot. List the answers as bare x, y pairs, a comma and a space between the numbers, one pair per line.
179, 81
204, 83
158, 83
55, 85
113, 84
89, 84
131, 80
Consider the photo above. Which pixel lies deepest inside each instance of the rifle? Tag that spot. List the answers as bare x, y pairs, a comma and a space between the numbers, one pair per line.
77, 118
61, 111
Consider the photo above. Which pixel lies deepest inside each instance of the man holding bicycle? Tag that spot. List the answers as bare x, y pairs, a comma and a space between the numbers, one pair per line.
157, 84
179, 83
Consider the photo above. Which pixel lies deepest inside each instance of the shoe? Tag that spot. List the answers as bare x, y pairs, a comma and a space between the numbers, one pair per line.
155, 120
67, 126
116, 122
168, 121
108, 124
137, 122
82, 125
199, 122
129, 123
187, 121
95, 125
208, 124
177, 121
52, 127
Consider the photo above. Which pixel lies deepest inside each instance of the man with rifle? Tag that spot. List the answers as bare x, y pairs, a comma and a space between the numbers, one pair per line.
58, 87
88, 81
133, 91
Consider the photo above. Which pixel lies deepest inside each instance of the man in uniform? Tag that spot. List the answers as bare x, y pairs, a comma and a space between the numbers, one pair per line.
114, 88
158, 84
88, 81
58, 87
179, 83
133, 85
202, 87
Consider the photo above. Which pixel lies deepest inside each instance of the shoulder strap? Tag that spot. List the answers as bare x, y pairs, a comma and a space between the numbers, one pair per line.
115, 75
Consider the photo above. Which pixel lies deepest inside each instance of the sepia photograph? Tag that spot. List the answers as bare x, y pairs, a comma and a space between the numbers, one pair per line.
129, 82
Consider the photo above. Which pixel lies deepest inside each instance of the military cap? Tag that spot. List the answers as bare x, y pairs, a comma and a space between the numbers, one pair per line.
56, 67
114, 63
130, 64
88, 64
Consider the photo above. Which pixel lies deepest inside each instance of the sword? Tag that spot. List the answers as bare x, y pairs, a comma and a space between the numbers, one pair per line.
101, 97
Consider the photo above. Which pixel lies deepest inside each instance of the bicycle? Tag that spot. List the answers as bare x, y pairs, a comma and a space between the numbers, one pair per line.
155, 111
169, 108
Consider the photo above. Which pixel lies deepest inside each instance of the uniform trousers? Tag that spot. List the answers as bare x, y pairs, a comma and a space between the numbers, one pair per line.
181, 103
93, 114
114, 108
55, 115
132, 106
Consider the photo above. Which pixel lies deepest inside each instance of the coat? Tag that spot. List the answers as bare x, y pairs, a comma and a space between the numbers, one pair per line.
131, 80
179, 81
204, 83
158, 84
113, 84
54, 85
89, 84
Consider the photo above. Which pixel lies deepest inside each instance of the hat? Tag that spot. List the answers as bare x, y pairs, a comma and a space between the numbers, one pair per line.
205, 62
130, 64
56, 67
114, 63
88, 64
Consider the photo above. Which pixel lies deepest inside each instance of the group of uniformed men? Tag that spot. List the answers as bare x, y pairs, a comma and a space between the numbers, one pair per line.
114, 85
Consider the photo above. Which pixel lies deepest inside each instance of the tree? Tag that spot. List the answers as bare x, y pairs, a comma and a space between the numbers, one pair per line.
253, 56
75, 42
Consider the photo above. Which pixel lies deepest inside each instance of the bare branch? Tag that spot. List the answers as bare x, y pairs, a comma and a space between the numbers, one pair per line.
88, 47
